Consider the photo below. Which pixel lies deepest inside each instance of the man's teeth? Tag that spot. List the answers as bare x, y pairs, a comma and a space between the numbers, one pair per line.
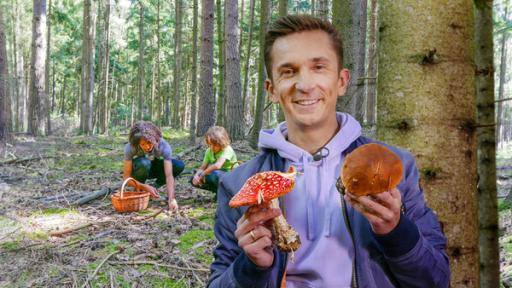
306, 102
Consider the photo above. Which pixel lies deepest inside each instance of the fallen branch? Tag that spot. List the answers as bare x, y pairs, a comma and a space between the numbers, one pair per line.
188, 150
98, 268
18, 161
147, 217
95, 195
59, 233
10, 233
158, 264
60, 197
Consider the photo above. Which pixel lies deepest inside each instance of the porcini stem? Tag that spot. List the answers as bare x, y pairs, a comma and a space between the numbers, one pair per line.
286, 238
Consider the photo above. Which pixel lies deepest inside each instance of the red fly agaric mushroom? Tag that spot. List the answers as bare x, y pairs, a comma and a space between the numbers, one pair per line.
264, 189
371, 169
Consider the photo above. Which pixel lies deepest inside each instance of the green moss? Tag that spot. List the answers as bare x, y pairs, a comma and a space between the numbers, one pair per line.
171, 134
193, 237
36, 235
54, 211
204, 215
165, 282
22, 279
10, 245
111, 247
7, 223
504, 205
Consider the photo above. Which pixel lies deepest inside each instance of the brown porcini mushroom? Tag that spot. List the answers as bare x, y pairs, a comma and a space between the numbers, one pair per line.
264, 189
371, 169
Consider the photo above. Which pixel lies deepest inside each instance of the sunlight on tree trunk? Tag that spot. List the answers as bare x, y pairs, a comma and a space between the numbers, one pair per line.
427, 104
38, 101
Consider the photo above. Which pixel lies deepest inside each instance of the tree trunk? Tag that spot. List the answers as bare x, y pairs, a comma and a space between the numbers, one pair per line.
260, 98
141, 81
427, 105
38, 101
47, 111
193, 88
349, 17
159, 94
371, 87
487, 196
5, 120
235, 127
283, 7
25, 91
206, 115
104, 70
283, 11
503, 81
177, 65
323, 12
248, 56
153, 91
221, 68
241, 32
18, 81
88, 51
63, 98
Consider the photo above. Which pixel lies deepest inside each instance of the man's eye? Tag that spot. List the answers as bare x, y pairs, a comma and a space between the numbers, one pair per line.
319, 67
287, 72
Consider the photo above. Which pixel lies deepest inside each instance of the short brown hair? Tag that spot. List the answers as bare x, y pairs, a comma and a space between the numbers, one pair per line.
146, 130
290, 24
217, 135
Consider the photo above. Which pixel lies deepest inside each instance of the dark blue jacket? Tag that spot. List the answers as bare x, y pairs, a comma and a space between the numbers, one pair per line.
412, 255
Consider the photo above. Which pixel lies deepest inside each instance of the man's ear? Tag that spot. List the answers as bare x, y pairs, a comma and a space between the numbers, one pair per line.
270, 91
343, 80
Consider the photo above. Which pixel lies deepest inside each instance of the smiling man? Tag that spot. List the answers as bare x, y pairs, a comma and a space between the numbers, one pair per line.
391, 239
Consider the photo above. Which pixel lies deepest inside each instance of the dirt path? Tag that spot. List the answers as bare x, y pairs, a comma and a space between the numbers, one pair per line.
110, 249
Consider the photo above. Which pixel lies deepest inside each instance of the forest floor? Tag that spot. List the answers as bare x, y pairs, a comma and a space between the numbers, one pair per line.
46, 240
151, 248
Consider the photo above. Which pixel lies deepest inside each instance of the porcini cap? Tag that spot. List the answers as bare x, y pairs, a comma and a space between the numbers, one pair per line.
371, 169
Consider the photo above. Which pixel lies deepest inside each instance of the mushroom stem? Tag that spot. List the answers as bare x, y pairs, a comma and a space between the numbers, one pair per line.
286, 238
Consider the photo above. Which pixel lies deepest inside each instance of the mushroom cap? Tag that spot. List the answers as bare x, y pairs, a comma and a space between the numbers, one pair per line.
371, 169
263, 187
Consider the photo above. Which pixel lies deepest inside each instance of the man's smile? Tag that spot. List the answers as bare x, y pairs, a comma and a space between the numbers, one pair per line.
307, 102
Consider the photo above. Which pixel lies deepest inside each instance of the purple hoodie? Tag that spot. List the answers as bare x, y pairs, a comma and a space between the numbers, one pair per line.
314, 209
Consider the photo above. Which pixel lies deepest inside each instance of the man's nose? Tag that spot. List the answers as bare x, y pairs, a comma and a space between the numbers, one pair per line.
304, 82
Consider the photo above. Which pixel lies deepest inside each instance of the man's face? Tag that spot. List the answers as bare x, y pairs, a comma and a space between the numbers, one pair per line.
305, 78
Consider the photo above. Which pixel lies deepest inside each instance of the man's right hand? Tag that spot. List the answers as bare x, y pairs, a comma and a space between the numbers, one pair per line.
254, 235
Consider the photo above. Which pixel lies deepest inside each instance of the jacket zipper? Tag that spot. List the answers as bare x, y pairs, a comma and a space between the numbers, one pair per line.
341, 189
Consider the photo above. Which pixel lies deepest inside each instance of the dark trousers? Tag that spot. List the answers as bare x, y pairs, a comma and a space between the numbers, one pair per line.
211, 181
144, 169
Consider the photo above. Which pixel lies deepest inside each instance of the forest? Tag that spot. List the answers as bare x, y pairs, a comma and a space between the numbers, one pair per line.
428, 76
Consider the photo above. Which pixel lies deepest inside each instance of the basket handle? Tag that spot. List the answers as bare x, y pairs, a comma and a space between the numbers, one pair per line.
124, 184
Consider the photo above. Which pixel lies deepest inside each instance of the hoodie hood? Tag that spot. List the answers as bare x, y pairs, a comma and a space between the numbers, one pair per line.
349, 131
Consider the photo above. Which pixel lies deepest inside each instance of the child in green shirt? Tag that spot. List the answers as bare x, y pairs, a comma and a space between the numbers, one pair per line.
219, 158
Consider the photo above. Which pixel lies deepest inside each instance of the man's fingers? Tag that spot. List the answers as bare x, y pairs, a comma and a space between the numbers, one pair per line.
249, 221
367, 206
254, 235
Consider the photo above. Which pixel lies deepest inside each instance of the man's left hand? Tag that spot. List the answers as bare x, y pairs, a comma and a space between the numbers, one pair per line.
382, 210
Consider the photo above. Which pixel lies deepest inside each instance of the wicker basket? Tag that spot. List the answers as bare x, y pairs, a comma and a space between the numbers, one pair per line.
130, 201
